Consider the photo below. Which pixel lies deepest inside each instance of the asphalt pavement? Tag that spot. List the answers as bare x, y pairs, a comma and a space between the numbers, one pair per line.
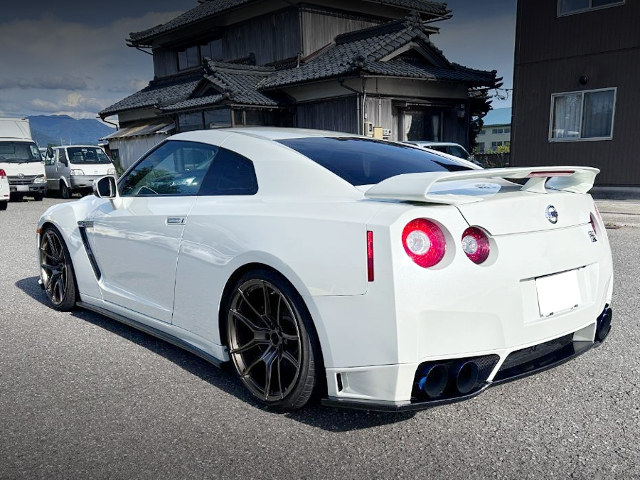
82, 396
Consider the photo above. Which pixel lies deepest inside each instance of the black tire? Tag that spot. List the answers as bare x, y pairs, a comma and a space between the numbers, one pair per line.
64, 191
38, 197
272, 343
56, 271
3, 205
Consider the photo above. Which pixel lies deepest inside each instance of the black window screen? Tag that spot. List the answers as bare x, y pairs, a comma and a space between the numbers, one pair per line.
230, 174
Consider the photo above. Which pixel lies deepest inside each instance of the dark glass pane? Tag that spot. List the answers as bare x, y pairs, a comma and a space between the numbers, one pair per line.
602, 3
365, 161
173, 168
597, 114
217, 118
567, 6
230, 174
190, 121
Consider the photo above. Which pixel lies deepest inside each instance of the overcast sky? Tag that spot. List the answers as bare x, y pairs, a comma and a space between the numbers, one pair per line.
70, 56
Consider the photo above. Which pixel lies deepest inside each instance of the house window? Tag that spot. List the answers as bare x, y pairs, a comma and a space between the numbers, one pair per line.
567, 7
212, 50
190, 121
193, 56
188, 58
496, 144
507, 130
497, 130
217, 118
582, 115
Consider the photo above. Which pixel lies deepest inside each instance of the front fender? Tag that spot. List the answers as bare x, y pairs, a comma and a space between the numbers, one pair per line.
65, 217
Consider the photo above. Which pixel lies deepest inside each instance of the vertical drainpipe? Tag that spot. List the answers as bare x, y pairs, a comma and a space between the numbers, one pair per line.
364, 106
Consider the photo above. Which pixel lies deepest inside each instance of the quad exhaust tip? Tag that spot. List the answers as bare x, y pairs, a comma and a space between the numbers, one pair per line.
461, 377
603, 326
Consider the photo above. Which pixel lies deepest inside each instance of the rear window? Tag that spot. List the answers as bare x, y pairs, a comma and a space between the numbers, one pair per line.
363, 161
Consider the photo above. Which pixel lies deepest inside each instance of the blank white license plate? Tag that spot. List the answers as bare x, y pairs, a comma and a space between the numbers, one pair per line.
557, 293
22, 188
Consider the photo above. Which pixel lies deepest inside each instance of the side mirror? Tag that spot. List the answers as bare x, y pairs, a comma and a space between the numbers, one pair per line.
105, 187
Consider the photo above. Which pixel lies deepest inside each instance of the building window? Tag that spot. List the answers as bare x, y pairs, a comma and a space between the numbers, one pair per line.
190, 121
582, 115
482, 132
507, 130
568, 7
194, 55
496, 144
188, 58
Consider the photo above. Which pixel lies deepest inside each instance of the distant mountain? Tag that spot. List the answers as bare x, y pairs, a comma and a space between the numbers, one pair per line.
64, 130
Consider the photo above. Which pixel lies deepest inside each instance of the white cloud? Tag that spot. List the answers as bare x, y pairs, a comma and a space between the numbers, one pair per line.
65, 82
42, 58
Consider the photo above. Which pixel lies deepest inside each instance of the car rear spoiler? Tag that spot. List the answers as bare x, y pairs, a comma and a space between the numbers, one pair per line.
453, 187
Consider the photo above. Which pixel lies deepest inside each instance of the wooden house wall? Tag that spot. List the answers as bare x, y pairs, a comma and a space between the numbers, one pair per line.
618, 159
164, 62
338, 114
552, 54
319, 28
543, 35
379, 111
271, 37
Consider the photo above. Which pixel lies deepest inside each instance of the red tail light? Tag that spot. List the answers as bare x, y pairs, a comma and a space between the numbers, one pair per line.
3, 174
370, 255
475, 244
424, 242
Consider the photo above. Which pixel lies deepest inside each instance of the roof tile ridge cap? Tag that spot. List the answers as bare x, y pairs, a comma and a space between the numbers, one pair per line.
409, 26
238, 66
382, 29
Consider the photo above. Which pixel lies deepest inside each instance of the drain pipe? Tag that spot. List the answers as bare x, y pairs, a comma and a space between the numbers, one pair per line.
358, 96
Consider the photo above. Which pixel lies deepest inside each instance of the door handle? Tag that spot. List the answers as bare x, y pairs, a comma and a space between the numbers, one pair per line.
176, 220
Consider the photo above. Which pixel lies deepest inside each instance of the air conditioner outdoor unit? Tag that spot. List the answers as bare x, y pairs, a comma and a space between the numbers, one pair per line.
368, 129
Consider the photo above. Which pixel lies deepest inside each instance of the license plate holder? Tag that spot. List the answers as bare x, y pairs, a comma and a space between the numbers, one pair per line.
558, 293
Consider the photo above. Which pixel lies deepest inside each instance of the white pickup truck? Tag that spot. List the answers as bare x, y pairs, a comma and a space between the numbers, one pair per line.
21, 160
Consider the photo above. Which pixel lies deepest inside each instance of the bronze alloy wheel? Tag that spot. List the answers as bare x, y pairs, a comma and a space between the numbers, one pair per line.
269, 343
56, 271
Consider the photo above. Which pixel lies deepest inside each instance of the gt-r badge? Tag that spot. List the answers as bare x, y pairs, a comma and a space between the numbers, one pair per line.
552, 214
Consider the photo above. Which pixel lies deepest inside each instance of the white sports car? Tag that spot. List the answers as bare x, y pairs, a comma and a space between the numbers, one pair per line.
373, 274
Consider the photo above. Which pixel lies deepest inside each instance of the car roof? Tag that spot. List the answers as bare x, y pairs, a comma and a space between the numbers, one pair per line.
435, 144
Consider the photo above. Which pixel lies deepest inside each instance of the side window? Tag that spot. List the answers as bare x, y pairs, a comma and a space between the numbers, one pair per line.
230, 174
174, 168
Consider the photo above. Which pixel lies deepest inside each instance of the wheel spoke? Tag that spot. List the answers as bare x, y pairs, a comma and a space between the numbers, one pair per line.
261, 358
289, 337
269, 360
250, 325
249, 345
253, 309
280, 376
266, 300
291, 359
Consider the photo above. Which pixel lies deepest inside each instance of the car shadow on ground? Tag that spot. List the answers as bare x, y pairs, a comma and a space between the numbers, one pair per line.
315, 415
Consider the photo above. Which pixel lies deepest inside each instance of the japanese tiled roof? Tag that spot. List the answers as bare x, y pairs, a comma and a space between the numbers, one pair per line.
235, 83
158, 93
365, 51
209, 8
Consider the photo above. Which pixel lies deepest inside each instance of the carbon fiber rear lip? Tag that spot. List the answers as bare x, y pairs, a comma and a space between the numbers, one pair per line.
423, 405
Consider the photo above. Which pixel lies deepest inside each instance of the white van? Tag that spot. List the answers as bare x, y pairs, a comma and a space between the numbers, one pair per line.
20, 159
73, 168
4, 190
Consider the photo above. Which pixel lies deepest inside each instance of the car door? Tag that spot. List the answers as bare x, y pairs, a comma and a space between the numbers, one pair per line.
136, 237
50, 170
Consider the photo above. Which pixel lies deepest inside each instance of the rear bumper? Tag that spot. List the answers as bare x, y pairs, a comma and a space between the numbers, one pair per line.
499, 367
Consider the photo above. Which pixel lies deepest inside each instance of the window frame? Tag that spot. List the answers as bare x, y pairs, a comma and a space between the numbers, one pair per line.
127, 173
588, 9
580, 138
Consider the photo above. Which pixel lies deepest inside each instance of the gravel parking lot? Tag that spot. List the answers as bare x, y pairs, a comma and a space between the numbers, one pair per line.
82, 396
